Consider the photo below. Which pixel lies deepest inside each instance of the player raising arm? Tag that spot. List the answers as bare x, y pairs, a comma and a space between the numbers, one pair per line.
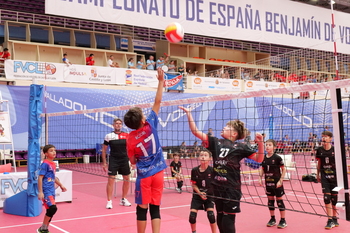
227, 154
145, 151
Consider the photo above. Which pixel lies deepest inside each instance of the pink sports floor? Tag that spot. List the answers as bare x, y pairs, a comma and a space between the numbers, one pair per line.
87, 213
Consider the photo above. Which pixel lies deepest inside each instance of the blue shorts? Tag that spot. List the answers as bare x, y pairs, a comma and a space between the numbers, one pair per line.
49, 201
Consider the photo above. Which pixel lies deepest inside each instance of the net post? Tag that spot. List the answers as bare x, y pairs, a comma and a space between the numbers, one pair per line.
340, 155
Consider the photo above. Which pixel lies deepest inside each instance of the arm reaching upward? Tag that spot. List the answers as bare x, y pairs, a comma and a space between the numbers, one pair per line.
195, 131
159, 94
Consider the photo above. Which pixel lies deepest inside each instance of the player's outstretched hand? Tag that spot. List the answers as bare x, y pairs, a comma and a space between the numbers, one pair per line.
186, 110
160, 74
259, 137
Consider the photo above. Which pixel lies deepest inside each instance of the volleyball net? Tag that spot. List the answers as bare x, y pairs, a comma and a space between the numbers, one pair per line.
295, 123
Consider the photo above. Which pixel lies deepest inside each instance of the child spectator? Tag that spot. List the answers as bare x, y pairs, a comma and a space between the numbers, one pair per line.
90, 61
46, 186
274, 170
176, 171
66, 60
144, 149
201, 178
326, 174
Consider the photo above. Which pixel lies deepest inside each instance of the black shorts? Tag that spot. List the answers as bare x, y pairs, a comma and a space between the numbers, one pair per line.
273, 191
327, 186
198, 203
116, 166
227, 200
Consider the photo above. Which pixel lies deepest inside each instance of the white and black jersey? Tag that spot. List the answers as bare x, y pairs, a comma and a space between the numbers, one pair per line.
117, 144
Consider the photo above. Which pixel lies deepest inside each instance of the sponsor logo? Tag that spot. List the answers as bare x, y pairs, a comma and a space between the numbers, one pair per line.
235, 83
172, 82
128, 77
249, 84
197, 80
34, 67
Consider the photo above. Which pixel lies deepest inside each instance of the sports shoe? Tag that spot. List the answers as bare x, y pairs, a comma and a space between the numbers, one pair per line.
330, 224
282, 224
335, 221
109, 205
124, 202
179, 190
271, 223
42, 231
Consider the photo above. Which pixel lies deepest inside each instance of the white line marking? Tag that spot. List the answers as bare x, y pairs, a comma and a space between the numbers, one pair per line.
89, 217
59, 228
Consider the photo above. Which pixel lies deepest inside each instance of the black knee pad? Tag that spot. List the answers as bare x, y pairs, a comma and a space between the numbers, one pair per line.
50, 212
154, 211
211, 216
271, 204
193, 217
327, 198
141, 214
334, 199
281, 205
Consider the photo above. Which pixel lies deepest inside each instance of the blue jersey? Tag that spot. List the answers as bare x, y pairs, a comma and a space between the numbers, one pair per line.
48, 169
145, 146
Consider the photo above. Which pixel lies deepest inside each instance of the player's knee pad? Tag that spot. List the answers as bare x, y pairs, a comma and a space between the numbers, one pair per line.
141, 214
271, 204
327, 198
193, 217
281, 205
154, 211
211, 216
334, 199
50, 212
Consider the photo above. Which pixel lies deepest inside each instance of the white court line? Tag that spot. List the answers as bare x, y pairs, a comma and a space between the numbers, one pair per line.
89, 217
91, 183
59, 228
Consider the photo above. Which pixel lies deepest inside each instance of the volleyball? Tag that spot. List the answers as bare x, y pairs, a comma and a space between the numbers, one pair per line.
174, 32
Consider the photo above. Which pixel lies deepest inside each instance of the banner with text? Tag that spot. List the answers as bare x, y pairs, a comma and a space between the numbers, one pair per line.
278, 22
261, 85
202, 83
29, 70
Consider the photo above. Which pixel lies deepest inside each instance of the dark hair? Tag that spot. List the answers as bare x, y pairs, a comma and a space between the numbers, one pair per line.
47, 147
110, 56
133, 118
91, 54
64, 54
176, 154
131, 58
6, 49
274, 143
239, 127
327, 133
206, 150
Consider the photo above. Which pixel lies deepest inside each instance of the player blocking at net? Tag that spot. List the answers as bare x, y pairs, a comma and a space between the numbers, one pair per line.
201, 178
227, 154
274, 170
145, 151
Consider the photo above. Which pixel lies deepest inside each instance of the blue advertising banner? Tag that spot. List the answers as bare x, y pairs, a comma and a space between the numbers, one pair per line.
174, 82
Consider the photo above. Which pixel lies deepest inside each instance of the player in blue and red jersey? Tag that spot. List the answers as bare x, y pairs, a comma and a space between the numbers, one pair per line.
145, 151
46, 186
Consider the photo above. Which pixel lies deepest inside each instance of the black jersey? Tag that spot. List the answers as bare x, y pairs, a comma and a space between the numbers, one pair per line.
272, 169
327, 166
227, 156
117, 144
202, 179
176, 166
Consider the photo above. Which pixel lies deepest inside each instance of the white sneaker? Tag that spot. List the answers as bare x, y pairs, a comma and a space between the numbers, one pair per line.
125, 202
109, 205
